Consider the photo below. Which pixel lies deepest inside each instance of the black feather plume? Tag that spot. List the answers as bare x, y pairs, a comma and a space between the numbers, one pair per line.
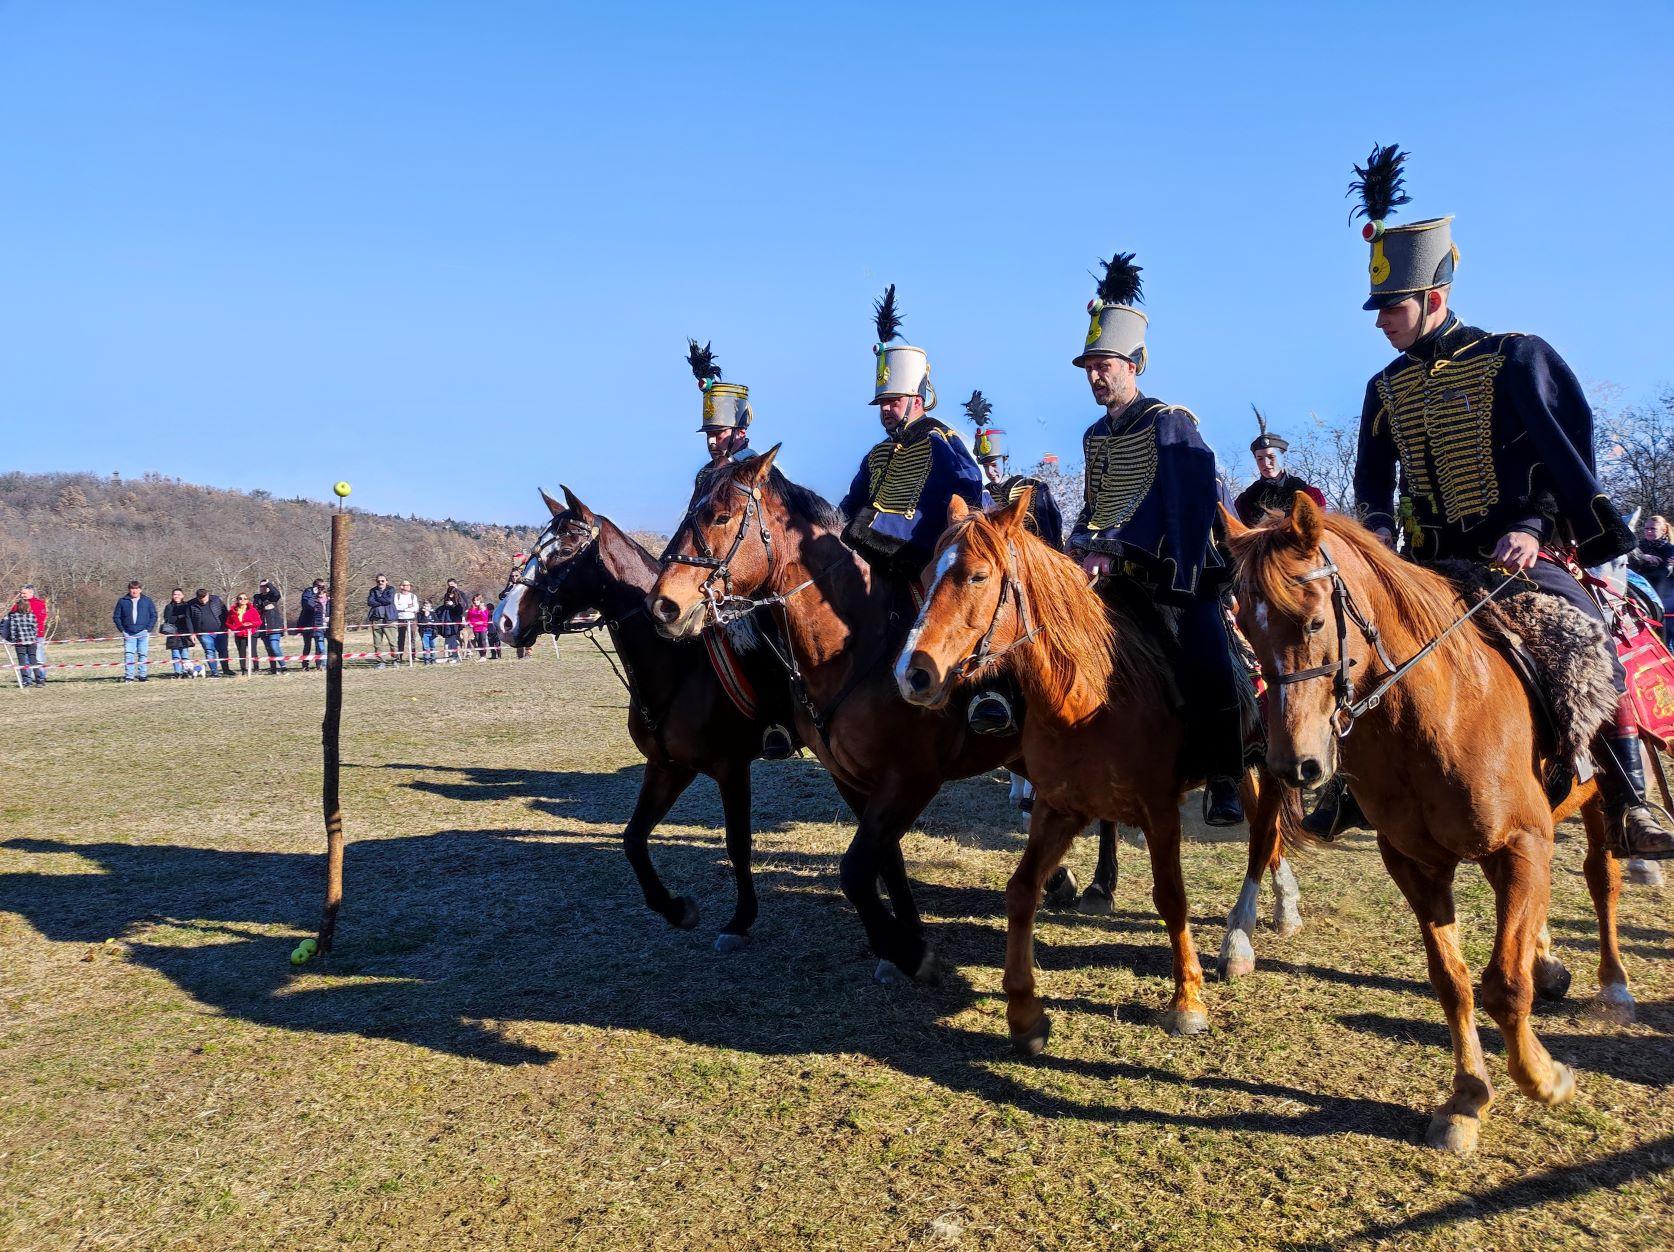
1379, 185
1261, 419
702, 361
977, 408
1121, 282
889, 318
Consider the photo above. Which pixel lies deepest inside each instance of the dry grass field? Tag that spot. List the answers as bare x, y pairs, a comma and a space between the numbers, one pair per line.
508, 1050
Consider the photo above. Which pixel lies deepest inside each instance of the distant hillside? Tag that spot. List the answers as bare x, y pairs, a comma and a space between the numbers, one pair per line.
82, 537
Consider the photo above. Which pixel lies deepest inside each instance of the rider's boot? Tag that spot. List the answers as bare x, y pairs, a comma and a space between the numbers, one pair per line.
990, 713
777, 744
1336, 812
1635, 828
1221, 806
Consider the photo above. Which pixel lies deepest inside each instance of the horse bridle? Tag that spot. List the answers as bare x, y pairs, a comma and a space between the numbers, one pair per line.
984, 653
549, 582
1344, 609
723, 606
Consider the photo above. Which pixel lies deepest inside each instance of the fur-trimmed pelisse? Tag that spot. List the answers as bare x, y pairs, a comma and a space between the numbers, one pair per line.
1570, 650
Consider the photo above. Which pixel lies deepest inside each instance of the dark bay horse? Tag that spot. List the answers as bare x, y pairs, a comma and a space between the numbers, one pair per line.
756, 535
1102, 738
679, 715
1447, 768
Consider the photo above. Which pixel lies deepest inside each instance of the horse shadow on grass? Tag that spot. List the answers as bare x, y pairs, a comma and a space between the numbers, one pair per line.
477, 942
470, 942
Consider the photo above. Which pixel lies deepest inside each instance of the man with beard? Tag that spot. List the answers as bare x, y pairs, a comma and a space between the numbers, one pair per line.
1146, 529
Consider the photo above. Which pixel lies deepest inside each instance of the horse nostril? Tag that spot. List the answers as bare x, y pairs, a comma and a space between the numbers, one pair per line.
918, 679
665, 610
1309, 770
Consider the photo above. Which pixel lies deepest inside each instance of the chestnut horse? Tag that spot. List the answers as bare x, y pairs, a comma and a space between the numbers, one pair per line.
1102, 738
758, 538
679, 716
1446, 766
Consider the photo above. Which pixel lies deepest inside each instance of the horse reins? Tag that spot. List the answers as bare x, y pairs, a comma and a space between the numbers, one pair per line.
1346, 610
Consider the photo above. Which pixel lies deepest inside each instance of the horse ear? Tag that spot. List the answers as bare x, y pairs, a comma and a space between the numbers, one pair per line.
1011, 516
1307, 519
1229, 519
576, 506
762, 465
957, 510
552, 504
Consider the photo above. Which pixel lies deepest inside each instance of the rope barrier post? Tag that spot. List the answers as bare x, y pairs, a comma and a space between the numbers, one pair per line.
330, 728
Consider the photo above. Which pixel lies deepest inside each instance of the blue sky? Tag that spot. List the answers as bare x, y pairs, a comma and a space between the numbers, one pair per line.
453, 251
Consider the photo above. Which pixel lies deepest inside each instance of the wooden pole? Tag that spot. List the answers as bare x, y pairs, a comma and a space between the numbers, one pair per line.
329, 729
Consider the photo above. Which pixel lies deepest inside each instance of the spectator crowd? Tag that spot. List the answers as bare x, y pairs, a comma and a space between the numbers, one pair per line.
203, 633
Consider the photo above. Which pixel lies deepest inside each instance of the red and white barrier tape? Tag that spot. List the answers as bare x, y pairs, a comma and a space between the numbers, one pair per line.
165, 660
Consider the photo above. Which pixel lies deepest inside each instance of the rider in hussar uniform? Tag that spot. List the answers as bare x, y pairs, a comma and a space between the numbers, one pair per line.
896, 507
726, 414
1275, 486
1003, 486
726, 430
1491, 440
1147, 526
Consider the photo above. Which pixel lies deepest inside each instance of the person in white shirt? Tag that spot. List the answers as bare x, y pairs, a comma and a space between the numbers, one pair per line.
406, 620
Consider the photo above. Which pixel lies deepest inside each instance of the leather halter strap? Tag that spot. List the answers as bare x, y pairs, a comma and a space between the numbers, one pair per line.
1345, 610
984, 654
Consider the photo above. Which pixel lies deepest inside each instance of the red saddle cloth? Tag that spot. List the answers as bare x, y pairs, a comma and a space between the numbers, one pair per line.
1645, 657
727, 668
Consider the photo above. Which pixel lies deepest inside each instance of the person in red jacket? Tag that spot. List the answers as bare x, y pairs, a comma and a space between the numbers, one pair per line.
244, 621
37, 606
476, 617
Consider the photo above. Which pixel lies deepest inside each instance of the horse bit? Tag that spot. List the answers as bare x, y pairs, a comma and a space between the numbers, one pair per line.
1345, 610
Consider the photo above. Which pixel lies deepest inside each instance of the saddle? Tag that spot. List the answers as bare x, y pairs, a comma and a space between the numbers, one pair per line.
1559, 653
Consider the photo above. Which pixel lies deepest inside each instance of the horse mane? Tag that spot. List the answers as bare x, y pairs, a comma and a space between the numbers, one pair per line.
802, 503
1424, 603
1077, 641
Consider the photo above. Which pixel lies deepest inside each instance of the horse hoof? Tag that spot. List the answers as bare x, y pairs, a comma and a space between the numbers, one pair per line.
1032, 1042
1614, 1004
688, 913
1096, 902
1061, 889
1237, 956
1451, 1132
888, 974
1642, 873
1287, 922
726, 942
1551, 979
1562, 1089
1185, 1021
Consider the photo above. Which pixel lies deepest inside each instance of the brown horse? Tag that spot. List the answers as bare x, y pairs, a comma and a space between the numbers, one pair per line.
1102, 738
1447, 767
782, 544
678, 715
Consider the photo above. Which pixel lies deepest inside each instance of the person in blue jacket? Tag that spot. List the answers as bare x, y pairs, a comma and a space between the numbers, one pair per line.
1146, 528
136, 617
1487, 438
896, 507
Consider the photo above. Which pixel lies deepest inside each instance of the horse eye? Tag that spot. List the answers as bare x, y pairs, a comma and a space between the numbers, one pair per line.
721, 519
979, 576
1317, 625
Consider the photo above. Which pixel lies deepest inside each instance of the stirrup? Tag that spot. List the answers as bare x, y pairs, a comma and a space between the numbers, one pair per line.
1651, 840
990, 713
777, 744
1336, 812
